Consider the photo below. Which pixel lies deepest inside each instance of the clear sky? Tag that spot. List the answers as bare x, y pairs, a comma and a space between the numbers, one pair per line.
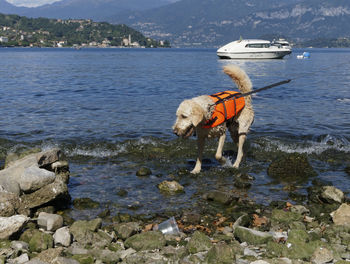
31, 3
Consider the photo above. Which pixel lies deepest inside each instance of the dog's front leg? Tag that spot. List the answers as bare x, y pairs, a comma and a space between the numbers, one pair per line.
218, 155
200, 148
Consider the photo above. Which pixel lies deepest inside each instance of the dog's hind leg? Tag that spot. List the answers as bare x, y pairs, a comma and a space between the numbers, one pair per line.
218, 155
198, 166
241, 140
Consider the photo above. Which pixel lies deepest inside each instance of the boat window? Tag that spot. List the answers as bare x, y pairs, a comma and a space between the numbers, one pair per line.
258, 45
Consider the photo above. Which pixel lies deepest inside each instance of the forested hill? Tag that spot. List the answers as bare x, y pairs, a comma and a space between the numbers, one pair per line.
42, 32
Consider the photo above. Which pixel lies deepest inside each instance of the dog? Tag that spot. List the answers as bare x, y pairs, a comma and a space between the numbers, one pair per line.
195, 115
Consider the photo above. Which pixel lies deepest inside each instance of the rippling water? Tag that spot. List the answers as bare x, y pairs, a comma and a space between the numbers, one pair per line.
111, 111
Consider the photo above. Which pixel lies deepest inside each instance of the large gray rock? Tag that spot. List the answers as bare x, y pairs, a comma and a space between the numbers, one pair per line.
199, 242
251, 236
27, 174
63, 237
126, 230
9, 203
50, 222
11, 225
341, 216
331, 194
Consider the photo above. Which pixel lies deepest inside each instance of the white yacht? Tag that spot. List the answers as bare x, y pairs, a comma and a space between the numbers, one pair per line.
283, 43
252, 49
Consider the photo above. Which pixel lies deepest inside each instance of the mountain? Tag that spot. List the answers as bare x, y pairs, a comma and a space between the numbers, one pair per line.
216, 22
97, 10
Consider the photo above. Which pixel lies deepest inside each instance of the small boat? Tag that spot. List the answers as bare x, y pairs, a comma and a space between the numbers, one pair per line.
252, 49
305, 55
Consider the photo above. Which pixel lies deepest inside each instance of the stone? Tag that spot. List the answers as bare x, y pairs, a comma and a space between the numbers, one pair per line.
144, 171
105, 255
45, 159
220, 197
50, 254
24, 258
85, 203
37, 261
40, 242
146, 241
321, 255
11, 225
50, 222
170, 187
62, 237
9, 203
291, 167
198, 242
251, 236
126, 230
220, 253
330, 194
19, 245
281, 217
341, 216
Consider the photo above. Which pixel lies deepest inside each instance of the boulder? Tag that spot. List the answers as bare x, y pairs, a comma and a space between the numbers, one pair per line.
251, 236
40, 241
126, 230
330, 194
220, 253
146, 241
198, 242
11, 225
9, 203
144, 171
220, 197
63, 237
341, 216
50, 222
322, 255
171, 187
291, 167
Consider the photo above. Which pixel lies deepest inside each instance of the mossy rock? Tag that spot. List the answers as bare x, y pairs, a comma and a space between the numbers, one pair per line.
84, 259
170, 187
220, 253
146, 241
284, 218
85, 203
40, 241
198, 242
144, 171
291, 167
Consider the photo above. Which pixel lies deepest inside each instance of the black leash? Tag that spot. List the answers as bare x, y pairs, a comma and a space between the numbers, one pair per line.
239, 95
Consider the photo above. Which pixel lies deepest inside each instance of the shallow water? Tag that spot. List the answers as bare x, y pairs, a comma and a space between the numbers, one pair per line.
111, 112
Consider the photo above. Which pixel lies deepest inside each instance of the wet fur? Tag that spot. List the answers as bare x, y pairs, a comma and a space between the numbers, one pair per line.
193, 113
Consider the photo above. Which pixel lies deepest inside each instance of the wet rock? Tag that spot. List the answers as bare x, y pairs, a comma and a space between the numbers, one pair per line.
50, 222
284, 218
251, 236
321, 255
220, 197
342, 215
146, 241
62, 237
170, 187
40, 242
144, 171
198, 242
9, 203
191, 218
85, 203
291, 167
126, 230
347, 170
122, 192
11, 225
330, 194
220, 253
45, 159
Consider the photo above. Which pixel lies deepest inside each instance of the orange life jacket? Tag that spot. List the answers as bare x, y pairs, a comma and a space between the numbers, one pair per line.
224, 109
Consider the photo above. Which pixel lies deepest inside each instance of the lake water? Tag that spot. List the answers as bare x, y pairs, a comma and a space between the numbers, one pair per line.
111, 112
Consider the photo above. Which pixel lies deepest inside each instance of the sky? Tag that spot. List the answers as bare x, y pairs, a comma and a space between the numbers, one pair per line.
31, 3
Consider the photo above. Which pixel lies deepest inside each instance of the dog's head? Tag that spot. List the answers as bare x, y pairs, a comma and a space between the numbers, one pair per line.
188, 116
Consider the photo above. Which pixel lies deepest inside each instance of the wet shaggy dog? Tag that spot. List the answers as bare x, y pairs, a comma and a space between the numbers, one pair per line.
192, 115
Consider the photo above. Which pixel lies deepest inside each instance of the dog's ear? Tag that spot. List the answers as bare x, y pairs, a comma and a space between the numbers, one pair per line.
197, 114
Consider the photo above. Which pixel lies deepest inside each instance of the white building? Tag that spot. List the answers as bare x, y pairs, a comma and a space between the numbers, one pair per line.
4, 39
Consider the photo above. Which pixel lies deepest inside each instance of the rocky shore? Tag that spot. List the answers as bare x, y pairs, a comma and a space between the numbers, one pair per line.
36, 228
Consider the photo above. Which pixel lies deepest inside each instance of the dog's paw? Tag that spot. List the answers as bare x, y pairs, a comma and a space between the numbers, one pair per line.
195, 171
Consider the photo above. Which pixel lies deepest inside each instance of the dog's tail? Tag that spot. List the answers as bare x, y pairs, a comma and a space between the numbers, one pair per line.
239, 77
